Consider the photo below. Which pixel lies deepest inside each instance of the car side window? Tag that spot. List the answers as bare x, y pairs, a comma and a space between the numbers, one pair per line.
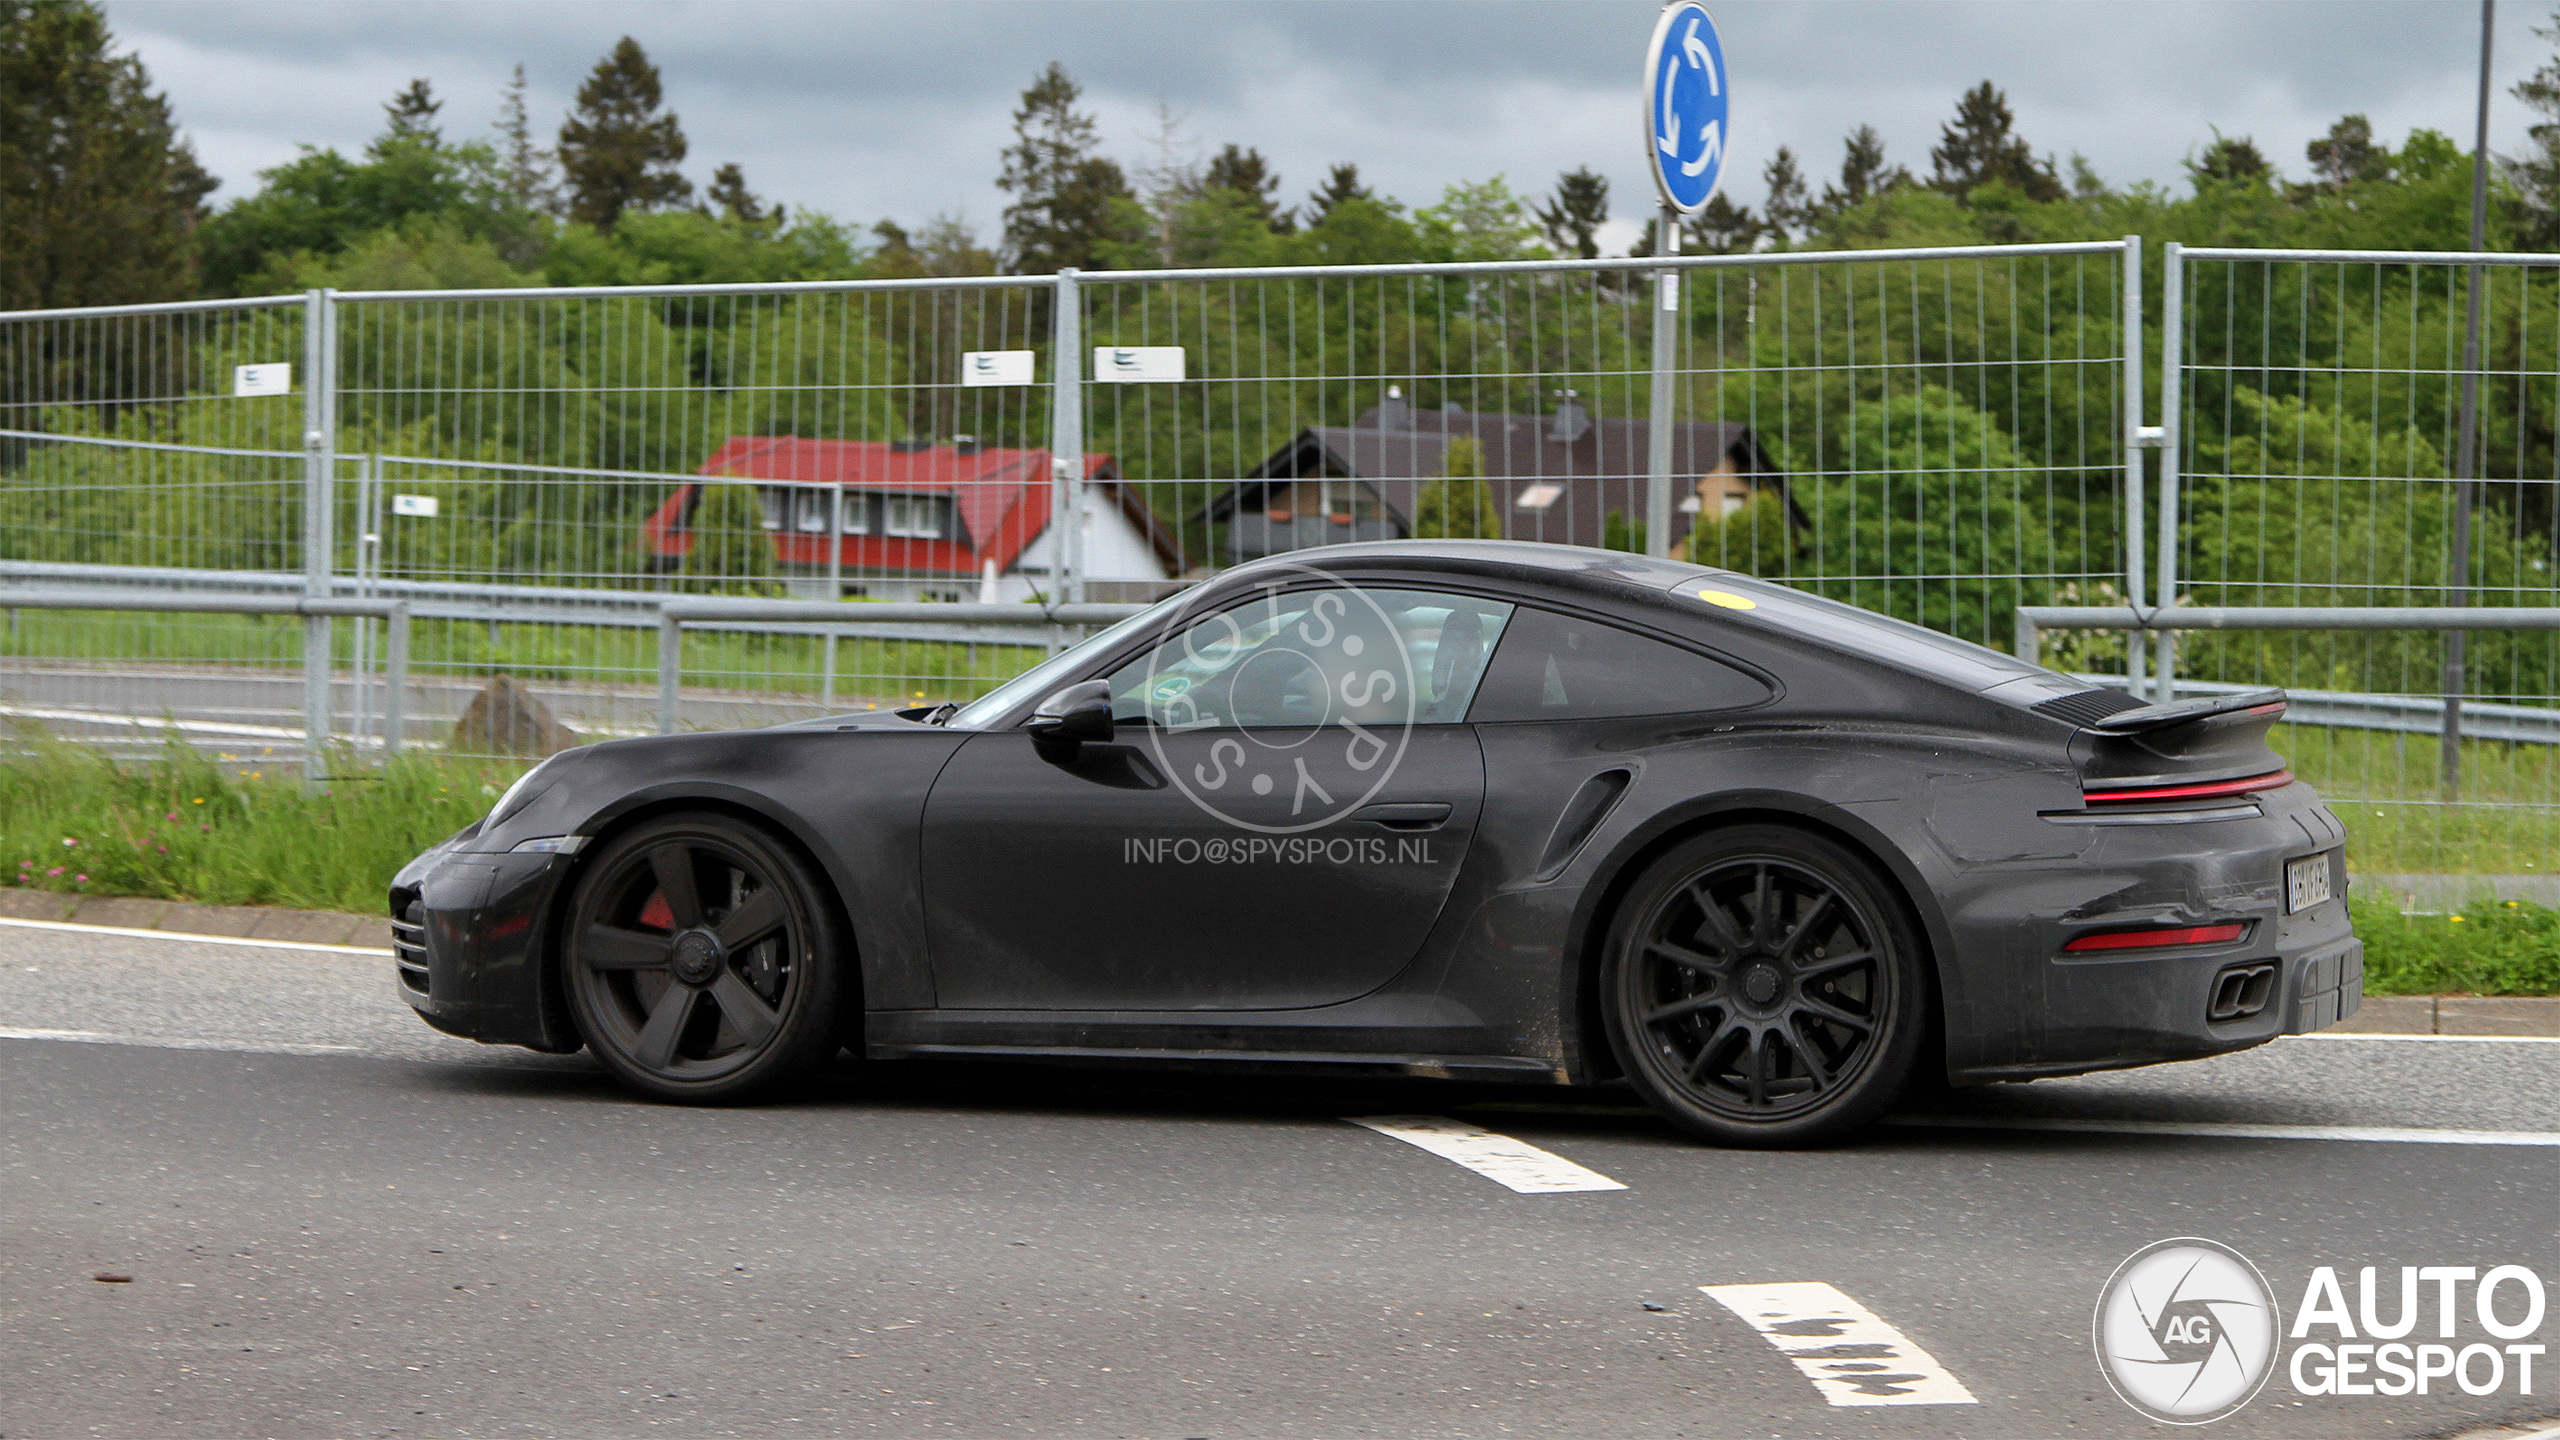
1313, 657
1556, 667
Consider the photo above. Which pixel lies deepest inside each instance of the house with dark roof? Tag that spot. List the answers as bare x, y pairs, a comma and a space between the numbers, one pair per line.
1557, 477
925, 522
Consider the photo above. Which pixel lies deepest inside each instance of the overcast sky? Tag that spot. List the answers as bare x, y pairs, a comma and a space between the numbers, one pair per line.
873, 108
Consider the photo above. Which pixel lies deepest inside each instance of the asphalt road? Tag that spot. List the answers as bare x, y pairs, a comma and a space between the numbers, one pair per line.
412, 1235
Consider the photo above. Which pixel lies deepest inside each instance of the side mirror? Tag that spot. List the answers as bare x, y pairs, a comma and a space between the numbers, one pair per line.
1069, 718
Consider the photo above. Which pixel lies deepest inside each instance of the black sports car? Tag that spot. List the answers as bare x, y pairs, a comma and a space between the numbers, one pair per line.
1460, 808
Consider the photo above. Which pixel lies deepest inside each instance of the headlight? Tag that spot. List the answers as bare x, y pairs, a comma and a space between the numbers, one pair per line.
517, 793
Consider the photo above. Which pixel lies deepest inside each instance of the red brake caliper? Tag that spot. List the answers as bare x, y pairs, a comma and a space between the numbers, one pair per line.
657, 914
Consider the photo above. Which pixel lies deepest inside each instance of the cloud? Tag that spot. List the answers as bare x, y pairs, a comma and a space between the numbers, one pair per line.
898, 109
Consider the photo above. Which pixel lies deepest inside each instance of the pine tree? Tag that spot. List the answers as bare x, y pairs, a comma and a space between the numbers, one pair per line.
2535, 173
1572, 219
1341, 183
413, 113
1789, 210
1863, 173
730, 198
617, 152
1723, 228
525, 169
1979, 147
99, 194
1246, 173
1065, 195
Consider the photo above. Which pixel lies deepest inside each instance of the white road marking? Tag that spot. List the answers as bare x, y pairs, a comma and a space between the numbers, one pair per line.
2433, 1039
142, 722
1851, 1356
194, 939
1522, 1166
2387, 1134
165, 1042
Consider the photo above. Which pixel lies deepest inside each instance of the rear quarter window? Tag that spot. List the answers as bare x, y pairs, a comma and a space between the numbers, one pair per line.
1557, 667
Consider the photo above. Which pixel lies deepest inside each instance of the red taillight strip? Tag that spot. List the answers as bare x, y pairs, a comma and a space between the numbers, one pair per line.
2192, 792
2156, 939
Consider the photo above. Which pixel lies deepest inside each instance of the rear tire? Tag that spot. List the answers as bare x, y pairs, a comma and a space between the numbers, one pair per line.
1764, 987
704, 962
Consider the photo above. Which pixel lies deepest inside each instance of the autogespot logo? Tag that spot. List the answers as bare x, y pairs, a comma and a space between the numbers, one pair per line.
1310, 690
2186, 1331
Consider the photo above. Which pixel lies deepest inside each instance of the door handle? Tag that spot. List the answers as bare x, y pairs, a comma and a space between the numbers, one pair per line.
1405, 815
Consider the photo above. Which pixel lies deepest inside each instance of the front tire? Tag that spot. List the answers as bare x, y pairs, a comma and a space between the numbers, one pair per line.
703, 962
1764, 987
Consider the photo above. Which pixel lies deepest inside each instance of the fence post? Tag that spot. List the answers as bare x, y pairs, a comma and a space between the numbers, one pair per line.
395, 665
2173, 327
1066, 441
1666, 341
670, 670
2134, 568
319, 521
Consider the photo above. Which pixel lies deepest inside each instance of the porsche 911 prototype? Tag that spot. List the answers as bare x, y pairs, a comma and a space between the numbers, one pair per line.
1469, 809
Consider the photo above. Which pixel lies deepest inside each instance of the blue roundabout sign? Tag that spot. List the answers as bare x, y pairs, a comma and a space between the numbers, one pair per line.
1686, 106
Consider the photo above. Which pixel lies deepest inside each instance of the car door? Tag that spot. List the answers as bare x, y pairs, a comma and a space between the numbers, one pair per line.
1276, 825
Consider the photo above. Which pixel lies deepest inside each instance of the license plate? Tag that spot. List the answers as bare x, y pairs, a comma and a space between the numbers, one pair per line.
2306, 883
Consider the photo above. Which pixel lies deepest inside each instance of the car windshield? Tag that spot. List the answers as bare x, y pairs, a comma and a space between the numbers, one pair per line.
1053, 672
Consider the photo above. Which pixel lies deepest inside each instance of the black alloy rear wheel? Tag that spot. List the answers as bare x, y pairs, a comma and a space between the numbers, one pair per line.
702, 961
1763, 986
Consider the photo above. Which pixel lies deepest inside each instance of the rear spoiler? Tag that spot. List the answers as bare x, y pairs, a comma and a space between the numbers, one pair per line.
2186, 712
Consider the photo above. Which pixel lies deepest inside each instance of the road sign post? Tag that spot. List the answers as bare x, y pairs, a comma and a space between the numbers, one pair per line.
1686, 108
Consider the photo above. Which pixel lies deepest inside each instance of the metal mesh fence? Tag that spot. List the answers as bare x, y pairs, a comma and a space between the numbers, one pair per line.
2319, 421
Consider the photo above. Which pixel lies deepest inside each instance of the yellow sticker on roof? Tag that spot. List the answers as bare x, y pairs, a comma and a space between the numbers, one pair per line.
1727, 599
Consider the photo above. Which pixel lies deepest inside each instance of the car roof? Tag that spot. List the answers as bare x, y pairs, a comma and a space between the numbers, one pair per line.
1564, 562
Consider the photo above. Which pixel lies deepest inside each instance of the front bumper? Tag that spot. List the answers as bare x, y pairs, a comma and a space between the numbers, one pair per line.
472, 933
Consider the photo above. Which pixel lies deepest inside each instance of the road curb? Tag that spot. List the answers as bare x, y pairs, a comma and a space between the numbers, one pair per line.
2526, 1015
178, 917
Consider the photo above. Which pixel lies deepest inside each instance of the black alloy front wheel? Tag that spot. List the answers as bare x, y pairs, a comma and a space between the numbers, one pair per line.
1763, 986
702, 961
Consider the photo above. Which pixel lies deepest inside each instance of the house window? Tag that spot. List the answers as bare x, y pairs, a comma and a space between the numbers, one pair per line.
774, 501
917, 517
809, 510
857, 514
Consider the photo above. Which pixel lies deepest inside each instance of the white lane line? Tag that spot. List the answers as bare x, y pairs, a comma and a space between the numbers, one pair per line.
1522, 1166
2386, 1134
160, 1042
1851, 1356
2433, 1039
192, 939
141, 722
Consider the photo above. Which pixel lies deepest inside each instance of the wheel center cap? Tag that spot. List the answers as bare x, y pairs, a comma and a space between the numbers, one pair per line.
1760, 984
697, 957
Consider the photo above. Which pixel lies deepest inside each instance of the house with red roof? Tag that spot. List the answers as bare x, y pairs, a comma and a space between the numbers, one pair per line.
907, 521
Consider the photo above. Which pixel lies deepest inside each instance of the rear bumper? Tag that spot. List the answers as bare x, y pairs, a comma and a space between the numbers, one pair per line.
2085, 1011
473, 934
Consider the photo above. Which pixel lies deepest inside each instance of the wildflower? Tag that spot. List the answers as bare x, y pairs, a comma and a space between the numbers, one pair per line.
67, 840
199, 800
2457, 919
173, 816
83, 879
56, 870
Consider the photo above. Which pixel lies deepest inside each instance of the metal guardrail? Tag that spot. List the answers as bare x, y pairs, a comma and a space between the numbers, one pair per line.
393, 613
674, 613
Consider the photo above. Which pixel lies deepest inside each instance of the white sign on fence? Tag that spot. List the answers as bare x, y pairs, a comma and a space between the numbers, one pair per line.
1137, 364
275, 379
995, 367
421, 505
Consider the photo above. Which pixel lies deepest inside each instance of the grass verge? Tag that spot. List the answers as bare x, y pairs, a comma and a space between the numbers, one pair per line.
2505, 948
181, 828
